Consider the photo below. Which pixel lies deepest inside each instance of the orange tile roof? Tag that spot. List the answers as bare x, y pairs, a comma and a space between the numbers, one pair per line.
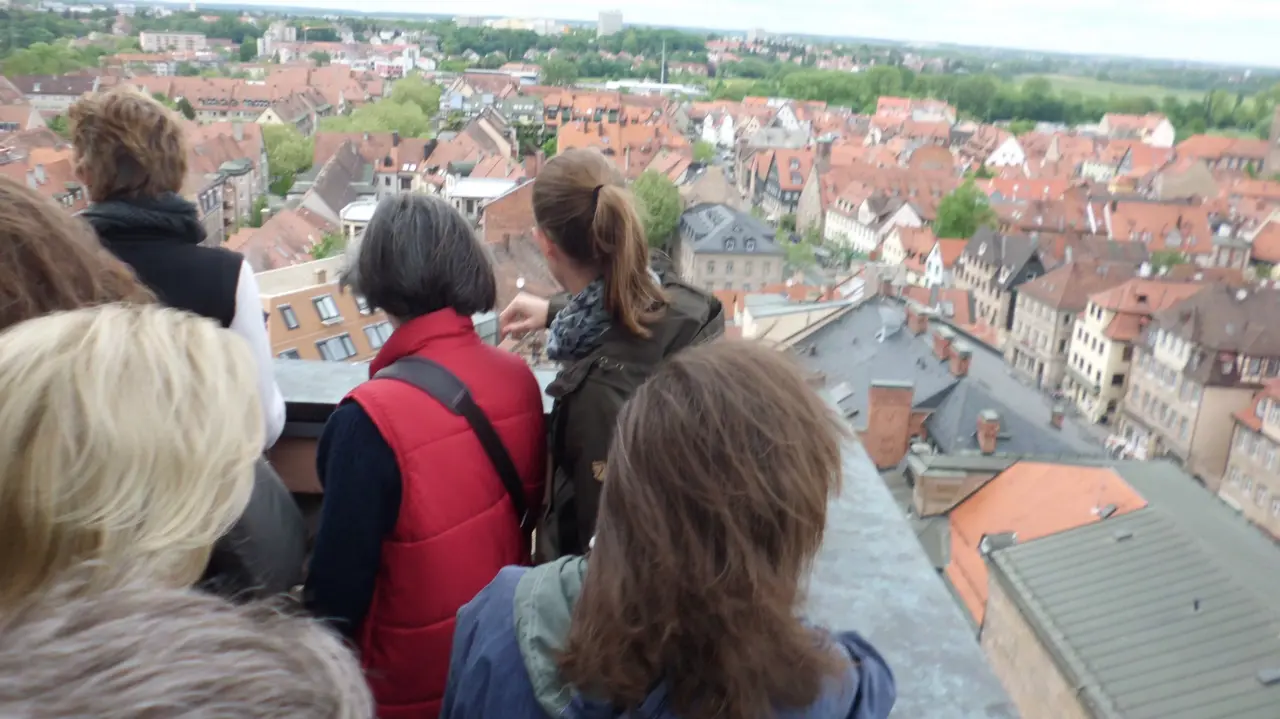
632, 146
1015, 188
1144, 296
1033, 500
1132, 220
951, 250
917, 241
1266, 243
1136, 300
1215, 147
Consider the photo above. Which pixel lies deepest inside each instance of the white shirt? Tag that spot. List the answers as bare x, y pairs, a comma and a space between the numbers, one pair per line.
248, 324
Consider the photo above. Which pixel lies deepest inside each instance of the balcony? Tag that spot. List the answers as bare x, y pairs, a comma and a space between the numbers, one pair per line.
871, 575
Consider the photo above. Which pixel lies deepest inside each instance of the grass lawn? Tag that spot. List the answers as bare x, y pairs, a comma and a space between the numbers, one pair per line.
1102, 88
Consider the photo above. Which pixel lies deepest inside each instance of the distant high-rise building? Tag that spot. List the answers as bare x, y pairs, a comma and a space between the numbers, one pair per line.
610, 23
468, 21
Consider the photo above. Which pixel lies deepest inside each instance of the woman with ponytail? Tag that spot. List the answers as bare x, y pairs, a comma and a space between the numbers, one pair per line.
617, 321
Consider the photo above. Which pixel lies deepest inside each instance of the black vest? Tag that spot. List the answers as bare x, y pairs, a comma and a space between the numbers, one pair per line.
160, 239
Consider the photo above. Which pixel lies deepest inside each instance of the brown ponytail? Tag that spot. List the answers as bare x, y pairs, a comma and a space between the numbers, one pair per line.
581, 203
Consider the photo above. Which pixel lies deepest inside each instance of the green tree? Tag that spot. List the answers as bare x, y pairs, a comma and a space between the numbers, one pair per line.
186, 69
787, 222
44, 58
248, 51
321, 58
962, 212
281, 183
455, 121
800, 253
255, 214
59, 126
550, 146
288, 153
415, 90
660, 206
557, 71
333, 243
1164, 259
703, 151
185, 108
405, 118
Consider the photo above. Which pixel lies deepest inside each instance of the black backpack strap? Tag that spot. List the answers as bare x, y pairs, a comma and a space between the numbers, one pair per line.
449, 391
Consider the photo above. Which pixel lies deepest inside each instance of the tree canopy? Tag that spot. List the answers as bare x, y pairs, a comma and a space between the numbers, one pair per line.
408, 119
962, 212
660, 206
414, 90
703, 151
288, 153
558, 71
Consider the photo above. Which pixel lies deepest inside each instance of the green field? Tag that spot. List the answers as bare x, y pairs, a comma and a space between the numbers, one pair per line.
1103, 88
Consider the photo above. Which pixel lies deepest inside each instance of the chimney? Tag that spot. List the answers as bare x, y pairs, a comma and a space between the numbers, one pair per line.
1056, 415
237, 131
40, 176
988, 430
322, 276
961, 353
395, 138
942, 337
823, 155
888, 432
917, 320
626, 164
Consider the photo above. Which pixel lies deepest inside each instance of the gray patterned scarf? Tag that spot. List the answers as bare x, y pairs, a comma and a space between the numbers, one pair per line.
577, 328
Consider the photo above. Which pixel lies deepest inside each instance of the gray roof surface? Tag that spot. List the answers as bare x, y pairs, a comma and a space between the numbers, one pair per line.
1148, 620
849, 353
873, 577
712, 227
1008, 252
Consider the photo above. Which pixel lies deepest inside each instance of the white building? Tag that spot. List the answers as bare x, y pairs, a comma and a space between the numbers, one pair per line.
1008, 154
718, 130
610, 22
182, 41
469, 195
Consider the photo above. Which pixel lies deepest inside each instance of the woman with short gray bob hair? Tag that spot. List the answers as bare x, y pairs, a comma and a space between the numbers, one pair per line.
417, 517
417, 256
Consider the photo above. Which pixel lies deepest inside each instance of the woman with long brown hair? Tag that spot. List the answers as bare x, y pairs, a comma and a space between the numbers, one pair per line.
714, 506
617, 321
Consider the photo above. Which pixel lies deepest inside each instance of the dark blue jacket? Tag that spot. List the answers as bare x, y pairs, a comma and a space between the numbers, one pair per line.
507, 638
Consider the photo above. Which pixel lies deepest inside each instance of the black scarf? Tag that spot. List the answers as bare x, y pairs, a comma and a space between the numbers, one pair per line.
168, 217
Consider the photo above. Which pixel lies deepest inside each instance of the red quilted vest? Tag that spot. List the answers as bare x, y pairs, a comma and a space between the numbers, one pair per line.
457, 527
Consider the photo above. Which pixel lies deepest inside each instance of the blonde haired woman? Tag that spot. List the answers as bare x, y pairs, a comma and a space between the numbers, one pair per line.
128, 436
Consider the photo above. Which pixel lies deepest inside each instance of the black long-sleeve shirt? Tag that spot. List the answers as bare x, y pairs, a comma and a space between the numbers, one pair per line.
362, 488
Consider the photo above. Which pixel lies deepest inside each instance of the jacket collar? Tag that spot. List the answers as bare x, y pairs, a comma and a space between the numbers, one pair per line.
168, 218
444, 328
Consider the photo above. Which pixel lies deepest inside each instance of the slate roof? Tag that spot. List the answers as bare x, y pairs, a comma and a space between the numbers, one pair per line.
851, 355
1147, 620
1007, 252
953, 425
712, 227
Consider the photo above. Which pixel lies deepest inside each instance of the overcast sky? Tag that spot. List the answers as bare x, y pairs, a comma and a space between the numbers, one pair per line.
1235, 31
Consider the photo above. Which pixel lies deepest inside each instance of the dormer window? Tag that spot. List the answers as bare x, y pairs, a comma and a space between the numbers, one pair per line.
750, 245
729, 245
